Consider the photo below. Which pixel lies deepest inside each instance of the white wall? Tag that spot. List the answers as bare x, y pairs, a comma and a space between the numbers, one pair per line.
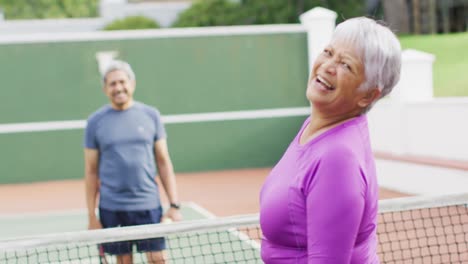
434, 128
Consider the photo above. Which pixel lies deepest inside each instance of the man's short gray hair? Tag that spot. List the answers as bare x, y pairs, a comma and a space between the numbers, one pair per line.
379, 49
118, 65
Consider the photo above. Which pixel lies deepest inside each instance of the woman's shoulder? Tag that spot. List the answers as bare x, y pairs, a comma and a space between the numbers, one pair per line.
337, 150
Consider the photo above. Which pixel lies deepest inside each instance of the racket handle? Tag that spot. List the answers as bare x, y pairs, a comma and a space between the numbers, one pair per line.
102, 255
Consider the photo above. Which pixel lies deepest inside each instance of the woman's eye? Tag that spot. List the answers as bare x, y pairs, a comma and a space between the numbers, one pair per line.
327, 52
346, 65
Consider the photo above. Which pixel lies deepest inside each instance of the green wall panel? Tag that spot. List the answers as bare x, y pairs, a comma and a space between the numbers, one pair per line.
41, 156
56, 155
60, 81
230, 144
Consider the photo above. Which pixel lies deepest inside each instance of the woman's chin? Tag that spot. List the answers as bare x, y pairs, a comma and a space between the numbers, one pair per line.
315, 97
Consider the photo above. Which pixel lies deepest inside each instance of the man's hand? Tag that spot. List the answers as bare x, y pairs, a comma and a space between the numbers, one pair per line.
94, 223
173, 214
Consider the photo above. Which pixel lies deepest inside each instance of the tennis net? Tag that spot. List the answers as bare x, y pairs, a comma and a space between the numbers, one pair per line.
421, 229
424, 229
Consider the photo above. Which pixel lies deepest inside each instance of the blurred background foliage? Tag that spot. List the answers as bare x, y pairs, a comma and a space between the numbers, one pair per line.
405, 16
132, 22
205, 13
37, 9
201, 13
248, 12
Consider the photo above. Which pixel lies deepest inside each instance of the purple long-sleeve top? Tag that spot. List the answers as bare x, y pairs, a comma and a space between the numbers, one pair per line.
319, 203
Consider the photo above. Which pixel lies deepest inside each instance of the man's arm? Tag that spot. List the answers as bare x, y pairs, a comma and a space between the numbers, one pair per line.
166, 172
91, 159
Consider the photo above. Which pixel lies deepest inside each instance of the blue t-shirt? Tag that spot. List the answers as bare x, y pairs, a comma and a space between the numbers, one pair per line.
125, 141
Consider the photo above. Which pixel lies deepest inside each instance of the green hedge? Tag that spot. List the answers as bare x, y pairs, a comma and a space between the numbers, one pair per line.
205, 13
34, 9
247, 12
132, 22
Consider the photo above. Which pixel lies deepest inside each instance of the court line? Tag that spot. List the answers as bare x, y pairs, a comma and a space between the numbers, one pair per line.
200, 209
78, 211
45, 213
167, 119
241, 235
204, 212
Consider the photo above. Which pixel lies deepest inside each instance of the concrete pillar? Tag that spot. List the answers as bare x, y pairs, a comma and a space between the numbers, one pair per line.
416, 80
320, 24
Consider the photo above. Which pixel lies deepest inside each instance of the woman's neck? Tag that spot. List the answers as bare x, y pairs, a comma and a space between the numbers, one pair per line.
320, 123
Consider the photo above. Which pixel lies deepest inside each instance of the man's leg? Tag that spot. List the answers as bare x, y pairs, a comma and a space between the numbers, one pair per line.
125, 259
154, 247
156, 257
121, 250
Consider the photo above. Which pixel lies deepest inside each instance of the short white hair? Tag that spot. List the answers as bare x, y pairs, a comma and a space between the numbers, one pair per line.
118, 65
379, 49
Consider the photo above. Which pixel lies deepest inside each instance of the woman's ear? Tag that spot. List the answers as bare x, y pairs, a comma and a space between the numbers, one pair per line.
369, 97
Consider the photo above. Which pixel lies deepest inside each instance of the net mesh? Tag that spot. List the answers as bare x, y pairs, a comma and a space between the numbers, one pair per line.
425, 232
222, 240
411, 230
206, 247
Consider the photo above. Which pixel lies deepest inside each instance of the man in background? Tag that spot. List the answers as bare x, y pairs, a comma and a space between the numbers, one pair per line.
125, 141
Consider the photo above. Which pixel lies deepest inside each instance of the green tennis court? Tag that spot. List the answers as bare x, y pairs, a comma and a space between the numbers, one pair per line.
196, 246
418, 229
20, 225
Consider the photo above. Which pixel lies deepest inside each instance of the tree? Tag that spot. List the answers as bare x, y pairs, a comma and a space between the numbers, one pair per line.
396, 15
210, 13
246, 12
33, 9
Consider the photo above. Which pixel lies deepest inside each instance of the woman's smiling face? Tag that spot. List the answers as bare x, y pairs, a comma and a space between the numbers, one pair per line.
337, 74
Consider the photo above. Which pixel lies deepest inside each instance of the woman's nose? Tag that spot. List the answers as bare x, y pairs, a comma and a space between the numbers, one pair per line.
329, 66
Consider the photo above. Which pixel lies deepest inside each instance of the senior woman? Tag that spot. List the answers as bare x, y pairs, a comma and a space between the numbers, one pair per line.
319, 203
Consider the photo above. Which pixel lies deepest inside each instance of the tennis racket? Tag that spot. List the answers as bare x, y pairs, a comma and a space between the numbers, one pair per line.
102, 255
